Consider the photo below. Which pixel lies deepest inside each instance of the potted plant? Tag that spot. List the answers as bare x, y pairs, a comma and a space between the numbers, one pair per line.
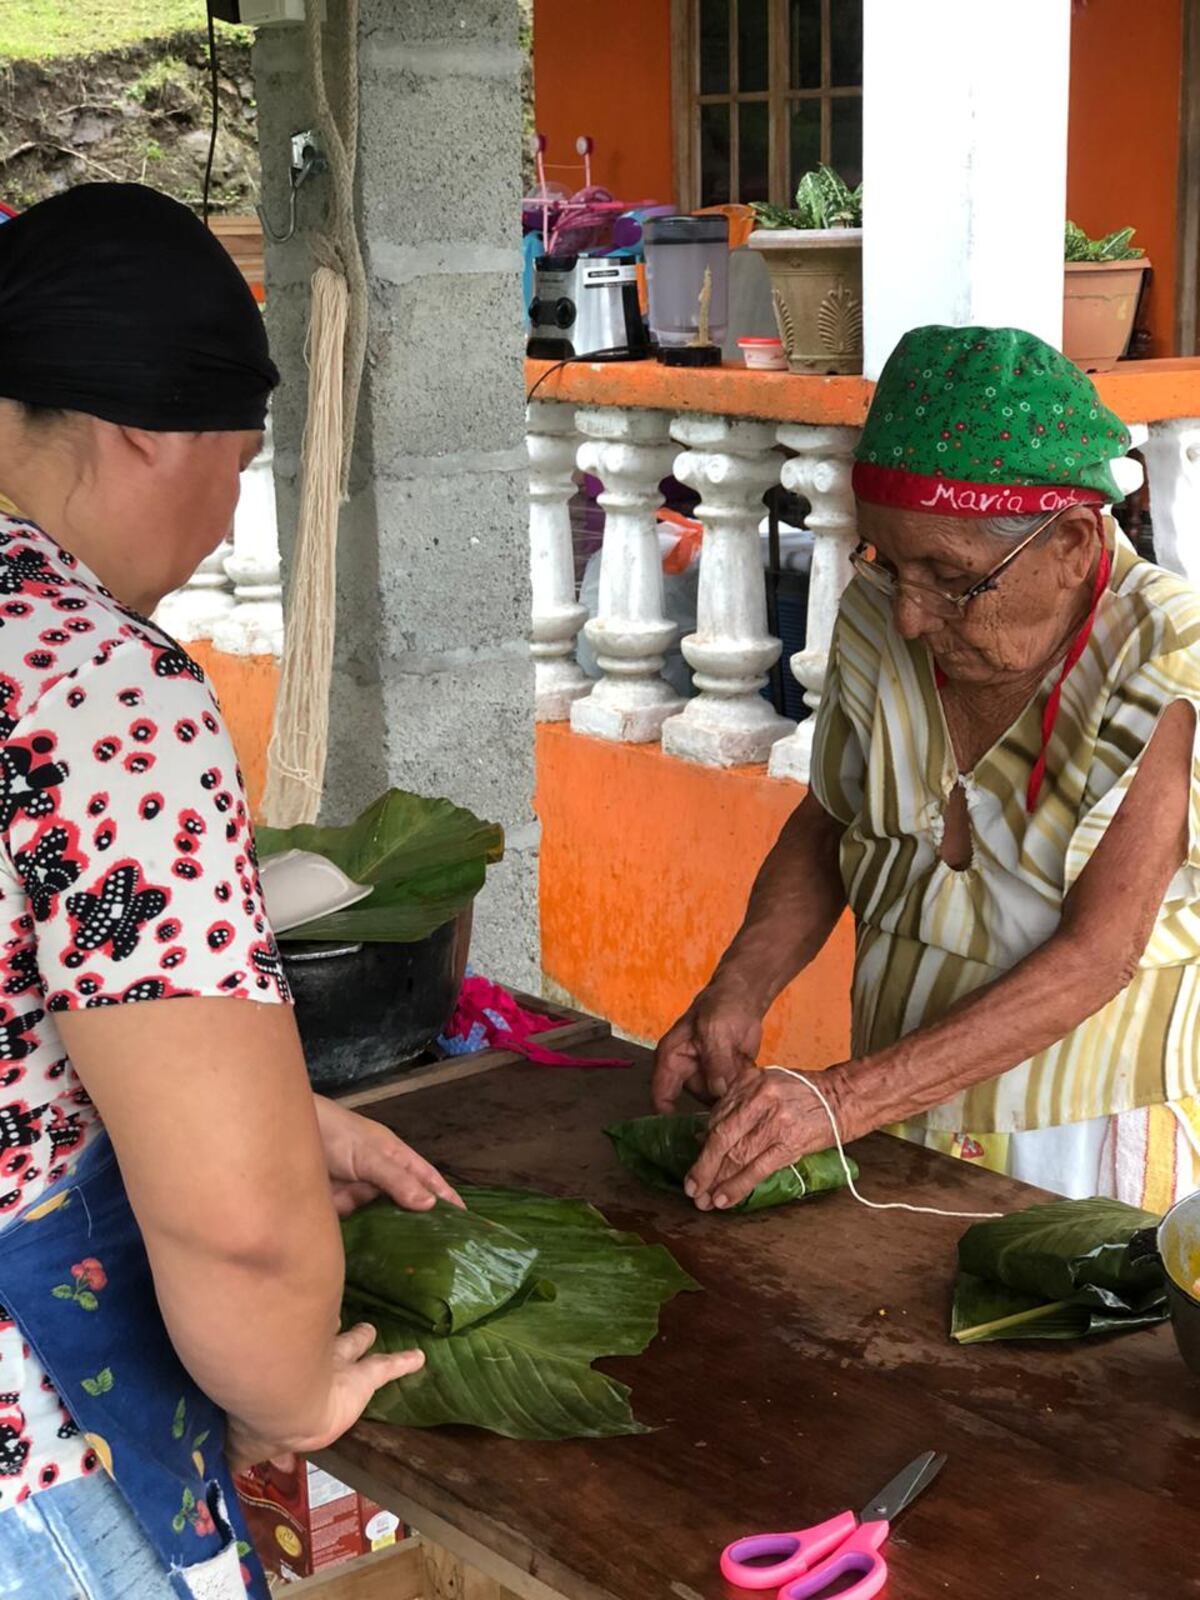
1103, 284
813, 252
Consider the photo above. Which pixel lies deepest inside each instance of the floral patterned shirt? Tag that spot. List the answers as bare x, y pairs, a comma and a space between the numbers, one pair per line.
127, 873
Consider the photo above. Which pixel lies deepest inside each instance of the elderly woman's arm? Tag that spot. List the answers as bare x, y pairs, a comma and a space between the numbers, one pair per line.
794, 905
1108, 917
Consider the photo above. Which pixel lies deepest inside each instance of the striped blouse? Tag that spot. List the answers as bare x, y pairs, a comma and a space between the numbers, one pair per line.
928, 934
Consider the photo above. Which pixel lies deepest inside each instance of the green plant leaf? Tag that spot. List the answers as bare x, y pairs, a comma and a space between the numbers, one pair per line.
177, 1424
1114, 246
87, 1300
100, 1384
63, 1291
89, 1386
662, 1150
200, 1440
823, 200
189, 1500
179, 1522
1057, 1271
443, 1273
425, 860
525, 1370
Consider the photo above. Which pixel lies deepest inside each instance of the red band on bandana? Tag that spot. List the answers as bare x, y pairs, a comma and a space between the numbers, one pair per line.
955, 497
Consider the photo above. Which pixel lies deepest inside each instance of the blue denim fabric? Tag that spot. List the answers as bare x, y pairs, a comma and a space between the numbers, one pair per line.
78, 1541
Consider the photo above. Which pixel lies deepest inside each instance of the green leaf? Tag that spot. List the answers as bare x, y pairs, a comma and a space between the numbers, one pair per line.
179, 1522
89, 1386
180, 1418
1114, 246
823, 200
243, 1549
63, 1291
200, 1440
87, 1300
104, 1380
662, 1150
425, 860
443, 1272
525, 1370
189, 1500
1057, 1271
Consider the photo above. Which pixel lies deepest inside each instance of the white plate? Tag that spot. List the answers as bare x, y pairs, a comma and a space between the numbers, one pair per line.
300, 886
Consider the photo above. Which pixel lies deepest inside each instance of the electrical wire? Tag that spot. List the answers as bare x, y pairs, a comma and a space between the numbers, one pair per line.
616, 353
216, 108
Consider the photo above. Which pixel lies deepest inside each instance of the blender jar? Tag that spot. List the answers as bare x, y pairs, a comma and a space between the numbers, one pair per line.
680, 251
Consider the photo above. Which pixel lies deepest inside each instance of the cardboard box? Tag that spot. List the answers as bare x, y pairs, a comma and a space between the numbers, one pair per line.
304, 1521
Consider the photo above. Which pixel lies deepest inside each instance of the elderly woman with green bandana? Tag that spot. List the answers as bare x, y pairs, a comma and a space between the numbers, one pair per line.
1003, 794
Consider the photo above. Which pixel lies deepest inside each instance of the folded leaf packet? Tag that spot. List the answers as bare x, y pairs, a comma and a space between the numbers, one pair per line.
511, 1302
1058, 1271
451, 1271
662, 1150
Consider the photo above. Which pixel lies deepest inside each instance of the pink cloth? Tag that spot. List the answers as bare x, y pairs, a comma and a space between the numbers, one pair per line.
482, 1002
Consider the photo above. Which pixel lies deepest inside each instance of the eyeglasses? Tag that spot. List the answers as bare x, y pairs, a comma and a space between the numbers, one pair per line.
939, 602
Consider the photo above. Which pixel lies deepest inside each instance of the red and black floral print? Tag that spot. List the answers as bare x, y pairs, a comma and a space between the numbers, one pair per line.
127, 875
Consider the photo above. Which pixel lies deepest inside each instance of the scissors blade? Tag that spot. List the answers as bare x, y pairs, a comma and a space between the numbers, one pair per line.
904, 1488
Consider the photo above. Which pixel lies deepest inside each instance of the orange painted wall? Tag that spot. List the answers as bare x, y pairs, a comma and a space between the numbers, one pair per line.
1123, 147
613, 81
605, 70
646, 863
246, 687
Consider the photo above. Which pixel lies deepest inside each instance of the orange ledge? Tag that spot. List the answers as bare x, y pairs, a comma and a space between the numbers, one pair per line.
646, 863
1138, 391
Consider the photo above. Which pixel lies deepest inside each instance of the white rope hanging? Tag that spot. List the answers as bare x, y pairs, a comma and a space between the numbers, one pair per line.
336, 355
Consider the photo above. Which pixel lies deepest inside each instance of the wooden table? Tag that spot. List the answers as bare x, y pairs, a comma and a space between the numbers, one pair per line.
814, 1367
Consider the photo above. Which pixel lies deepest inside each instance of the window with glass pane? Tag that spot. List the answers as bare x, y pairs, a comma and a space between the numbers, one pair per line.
776, 90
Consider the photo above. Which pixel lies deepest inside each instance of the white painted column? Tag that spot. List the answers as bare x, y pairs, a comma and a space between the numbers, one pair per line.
198, 609
732, 463
820, 471
557, 616
1172, 456
964, 166
254, 625
630, 452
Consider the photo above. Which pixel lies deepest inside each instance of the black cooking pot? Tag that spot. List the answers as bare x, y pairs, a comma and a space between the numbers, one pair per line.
1176, 1242
367, 1009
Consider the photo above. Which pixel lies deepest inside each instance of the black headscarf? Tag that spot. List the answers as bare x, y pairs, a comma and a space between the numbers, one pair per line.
118, 302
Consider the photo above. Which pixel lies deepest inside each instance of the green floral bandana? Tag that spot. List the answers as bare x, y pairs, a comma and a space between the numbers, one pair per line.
986, 422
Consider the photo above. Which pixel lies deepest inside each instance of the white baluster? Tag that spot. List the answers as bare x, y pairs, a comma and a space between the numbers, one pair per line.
731, 463
1172, 456
557, 615
255, 624
820, 471
197, 609
630, 452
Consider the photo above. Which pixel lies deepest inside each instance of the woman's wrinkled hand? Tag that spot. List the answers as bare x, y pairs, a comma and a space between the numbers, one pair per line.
356, 1378
366, 1160
713, 1045
763, 1124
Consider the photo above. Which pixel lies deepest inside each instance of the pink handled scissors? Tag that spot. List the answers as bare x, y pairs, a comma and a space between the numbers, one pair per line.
803, 1564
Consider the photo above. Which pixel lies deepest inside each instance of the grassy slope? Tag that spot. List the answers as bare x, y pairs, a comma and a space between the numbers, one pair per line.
43, 29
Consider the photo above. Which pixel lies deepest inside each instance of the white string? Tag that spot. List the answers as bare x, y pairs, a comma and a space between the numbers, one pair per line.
874, 1205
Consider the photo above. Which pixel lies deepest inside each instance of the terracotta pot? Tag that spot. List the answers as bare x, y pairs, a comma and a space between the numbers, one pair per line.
816, 289
1100, 301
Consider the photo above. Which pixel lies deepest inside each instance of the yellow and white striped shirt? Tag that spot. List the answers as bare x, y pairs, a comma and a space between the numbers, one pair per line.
928, 934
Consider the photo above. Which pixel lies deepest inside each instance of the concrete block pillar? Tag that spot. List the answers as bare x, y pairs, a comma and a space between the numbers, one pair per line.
964, 166
433, 681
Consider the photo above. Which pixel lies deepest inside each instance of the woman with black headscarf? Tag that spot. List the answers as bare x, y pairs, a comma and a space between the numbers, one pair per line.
170, 1265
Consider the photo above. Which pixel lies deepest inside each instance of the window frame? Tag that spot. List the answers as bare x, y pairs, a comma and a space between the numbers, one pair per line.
686, 100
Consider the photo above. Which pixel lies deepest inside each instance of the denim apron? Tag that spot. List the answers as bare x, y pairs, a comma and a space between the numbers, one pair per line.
75, 1279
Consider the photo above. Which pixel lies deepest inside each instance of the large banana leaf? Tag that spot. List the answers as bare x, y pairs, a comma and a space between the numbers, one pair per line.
425, 859
454, 1269
662, 1151
525, 1371
1057, 1271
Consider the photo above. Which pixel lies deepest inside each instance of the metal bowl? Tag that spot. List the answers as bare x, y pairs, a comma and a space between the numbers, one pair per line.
1178, 1241
367, 1009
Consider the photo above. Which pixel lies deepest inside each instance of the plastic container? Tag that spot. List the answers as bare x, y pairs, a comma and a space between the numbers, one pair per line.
679, 252
766, 355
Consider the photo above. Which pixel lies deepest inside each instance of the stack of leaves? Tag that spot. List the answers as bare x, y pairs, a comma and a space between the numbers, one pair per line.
511, 1301
1057, 1271
663, 1150
425, 859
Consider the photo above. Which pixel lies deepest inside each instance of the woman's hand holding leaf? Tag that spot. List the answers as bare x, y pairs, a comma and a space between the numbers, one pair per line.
366, 1160
355, 1380
765, 1122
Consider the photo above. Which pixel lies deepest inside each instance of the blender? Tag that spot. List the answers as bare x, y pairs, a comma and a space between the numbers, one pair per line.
687, 280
